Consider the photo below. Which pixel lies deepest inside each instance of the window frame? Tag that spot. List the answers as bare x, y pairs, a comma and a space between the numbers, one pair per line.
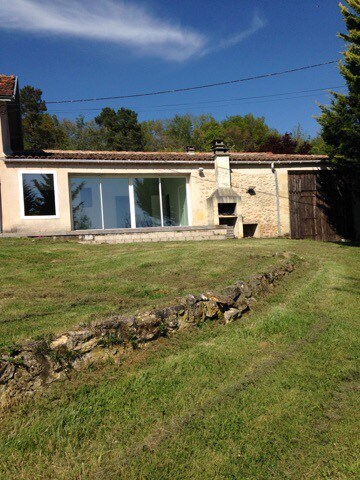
21, 194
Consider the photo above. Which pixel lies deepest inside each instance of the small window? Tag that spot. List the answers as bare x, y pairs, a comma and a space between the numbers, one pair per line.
38, 191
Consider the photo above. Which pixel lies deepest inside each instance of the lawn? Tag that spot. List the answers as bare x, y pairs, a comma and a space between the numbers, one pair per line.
49, 286
272, 396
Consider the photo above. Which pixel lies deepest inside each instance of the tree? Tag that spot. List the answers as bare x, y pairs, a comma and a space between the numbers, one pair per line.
318, 146
83, 135
245, 133
341, 120
303, 140
176, 133
122, 129
206, 130
154, 135
40, 129
180, 130
286, 144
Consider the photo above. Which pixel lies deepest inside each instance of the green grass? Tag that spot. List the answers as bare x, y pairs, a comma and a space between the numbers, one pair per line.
272, 396
49, 286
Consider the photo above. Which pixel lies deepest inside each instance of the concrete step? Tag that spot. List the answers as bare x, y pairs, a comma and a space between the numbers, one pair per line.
230, 232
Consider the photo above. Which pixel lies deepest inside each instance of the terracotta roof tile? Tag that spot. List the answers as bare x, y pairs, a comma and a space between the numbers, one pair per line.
149, 157
7, 85
120, 156
273, 157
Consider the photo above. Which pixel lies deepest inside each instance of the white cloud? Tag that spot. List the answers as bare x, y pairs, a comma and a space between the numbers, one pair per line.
256, 24
112, 21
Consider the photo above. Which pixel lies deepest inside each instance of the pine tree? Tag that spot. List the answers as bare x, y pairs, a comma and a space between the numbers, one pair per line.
122, 129
341, 121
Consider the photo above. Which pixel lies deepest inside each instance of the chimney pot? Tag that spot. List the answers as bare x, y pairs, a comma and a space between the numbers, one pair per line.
218, 146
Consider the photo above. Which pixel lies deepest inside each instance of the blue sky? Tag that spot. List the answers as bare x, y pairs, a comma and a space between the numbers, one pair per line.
90, 48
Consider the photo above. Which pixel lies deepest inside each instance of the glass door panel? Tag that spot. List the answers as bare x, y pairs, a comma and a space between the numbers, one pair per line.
174, 201
147, 202
116, 203
86, 203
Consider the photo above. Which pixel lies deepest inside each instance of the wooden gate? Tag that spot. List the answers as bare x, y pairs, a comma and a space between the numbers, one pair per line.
320, 205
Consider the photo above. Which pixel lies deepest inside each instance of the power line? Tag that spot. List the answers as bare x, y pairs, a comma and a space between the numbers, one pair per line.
197, 87
151, 107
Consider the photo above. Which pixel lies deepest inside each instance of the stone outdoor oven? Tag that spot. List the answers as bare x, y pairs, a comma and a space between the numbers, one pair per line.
224, 203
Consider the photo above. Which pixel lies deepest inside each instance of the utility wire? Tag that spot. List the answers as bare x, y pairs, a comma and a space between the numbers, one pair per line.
151, 107
197, 87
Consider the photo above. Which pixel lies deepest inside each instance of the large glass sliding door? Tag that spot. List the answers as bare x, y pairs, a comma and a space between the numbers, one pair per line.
116, 202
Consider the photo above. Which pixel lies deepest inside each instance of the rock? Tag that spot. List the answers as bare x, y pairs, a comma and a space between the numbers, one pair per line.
211, 310
245, 289
86, 346
7, 372
147, 326
231, 315
242, 304
59, 342
223, 301
194, 314
232, 292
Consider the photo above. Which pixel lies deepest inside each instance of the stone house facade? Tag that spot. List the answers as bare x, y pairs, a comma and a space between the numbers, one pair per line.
138, 196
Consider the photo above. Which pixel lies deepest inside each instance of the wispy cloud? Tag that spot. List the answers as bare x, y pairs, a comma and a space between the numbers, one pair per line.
118, 22
256, 24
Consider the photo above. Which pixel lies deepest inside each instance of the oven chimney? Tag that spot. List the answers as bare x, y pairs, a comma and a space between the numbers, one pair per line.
218, 147
222, 164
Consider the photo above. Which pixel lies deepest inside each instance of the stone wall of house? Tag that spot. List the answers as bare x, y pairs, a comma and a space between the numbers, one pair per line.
202, 185
260, 208
30, 366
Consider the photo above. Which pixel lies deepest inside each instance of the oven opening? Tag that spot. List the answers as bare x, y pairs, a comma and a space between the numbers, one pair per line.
226, 208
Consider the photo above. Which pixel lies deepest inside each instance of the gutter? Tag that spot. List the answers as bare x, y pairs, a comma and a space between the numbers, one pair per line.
278, 163
157, 162
273, 169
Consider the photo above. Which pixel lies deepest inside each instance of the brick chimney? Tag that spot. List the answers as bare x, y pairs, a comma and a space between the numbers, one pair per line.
10, 117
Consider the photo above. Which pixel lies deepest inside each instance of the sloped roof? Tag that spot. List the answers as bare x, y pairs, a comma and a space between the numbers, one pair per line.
7, 86
145, 157
158, 157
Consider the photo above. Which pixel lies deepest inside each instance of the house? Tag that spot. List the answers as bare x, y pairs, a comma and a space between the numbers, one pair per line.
139, 196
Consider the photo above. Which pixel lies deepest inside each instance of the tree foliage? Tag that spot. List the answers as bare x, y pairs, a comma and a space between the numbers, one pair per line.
341, 120
286, 144
121, 129
40, 129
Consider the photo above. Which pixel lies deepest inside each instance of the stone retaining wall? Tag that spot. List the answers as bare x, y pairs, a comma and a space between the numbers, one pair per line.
31, 366
162, 234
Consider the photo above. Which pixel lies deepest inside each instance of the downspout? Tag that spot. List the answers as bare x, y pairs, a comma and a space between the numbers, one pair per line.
273, 169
